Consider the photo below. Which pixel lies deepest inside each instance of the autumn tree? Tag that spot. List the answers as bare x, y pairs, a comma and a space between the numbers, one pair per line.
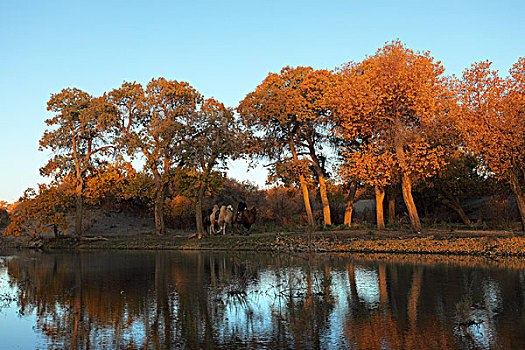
4, 214
78, 139
216, 136
154, 123
397, 97
41, 210
492, 121
288, 111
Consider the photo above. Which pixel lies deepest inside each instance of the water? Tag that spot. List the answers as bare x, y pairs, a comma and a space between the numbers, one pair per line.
159, 300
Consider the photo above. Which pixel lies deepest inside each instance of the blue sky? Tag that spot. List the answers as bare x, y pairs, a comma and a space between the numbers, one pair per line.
223, 48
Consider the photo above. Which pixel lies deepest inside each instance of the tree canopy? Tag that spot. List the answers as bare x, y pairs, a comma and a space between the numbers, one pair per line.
388, 105
391, 121
288, 111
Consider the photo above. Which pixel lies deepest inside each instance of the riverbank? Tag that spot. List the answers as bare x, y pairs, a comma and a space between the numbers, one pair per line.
475, 243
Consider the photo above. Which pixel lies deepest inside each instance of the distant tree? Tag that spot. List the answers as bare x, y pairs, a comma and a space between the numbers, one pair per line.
459, 181
288, 111
282, 206
5, 206
42, 210
397, 97
4, 217
77, 138
154, 123
492, 120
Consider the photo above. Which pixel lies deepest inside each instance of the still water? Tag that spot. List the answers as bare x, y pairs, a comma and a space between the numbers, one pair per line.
192, 300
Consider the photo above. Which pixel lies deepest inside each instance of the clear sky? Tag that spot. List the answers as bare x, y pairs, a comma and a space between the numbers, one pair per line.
223, 48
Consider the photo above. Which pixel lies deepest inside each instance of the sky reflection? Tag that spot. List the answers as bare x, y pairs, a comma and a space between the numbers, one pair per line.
216, 300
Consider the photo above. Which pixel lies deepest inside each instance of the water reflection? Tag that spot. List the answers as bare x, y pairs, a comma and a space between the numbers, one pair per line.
159, 300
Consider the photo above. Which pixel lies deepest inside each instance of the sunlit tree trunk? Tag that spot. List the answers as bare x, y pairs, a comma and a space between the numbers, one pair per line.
406, 182
380, 195
324, 201
353, 195
348, 212
306, 197
406, 186
304, 188
322, 184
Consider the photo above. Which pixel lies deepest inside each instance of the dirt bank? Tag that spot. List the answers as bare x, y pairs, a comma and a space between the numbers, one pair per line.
476, 243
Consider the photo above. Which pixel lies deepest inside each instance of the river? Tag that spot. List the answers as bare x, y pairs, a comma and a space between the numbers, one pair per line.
250, 300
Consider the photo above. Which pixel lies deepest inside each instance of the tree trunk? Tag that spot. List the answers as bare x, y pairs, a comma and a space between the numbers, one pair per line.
160, 228
520, 198
348, 212
324, 200
306, 198
406, 186
380, 195
322, 186
353, 195
198, 212
78, 209
454, 205
304, 188
391, 205
406, 182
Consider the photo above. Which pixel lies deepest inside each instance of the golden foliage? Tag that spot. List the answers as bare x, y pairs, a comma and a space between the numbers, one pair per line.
109, 180
40, 211
493, 122
492, 117
289, 113
386, 109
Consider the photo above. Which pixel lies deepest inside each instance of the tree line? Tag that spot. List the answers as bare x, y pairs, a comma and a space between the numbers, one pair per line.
391, 122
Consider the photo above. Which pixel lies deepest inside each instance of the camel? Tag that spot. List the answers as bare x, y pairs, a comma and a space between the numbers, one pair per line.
244, 216
213, 219
225, 217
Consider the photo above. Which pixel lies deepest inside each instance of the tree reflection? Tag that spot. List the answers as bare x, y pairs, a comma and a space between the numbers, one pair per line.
159, 300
